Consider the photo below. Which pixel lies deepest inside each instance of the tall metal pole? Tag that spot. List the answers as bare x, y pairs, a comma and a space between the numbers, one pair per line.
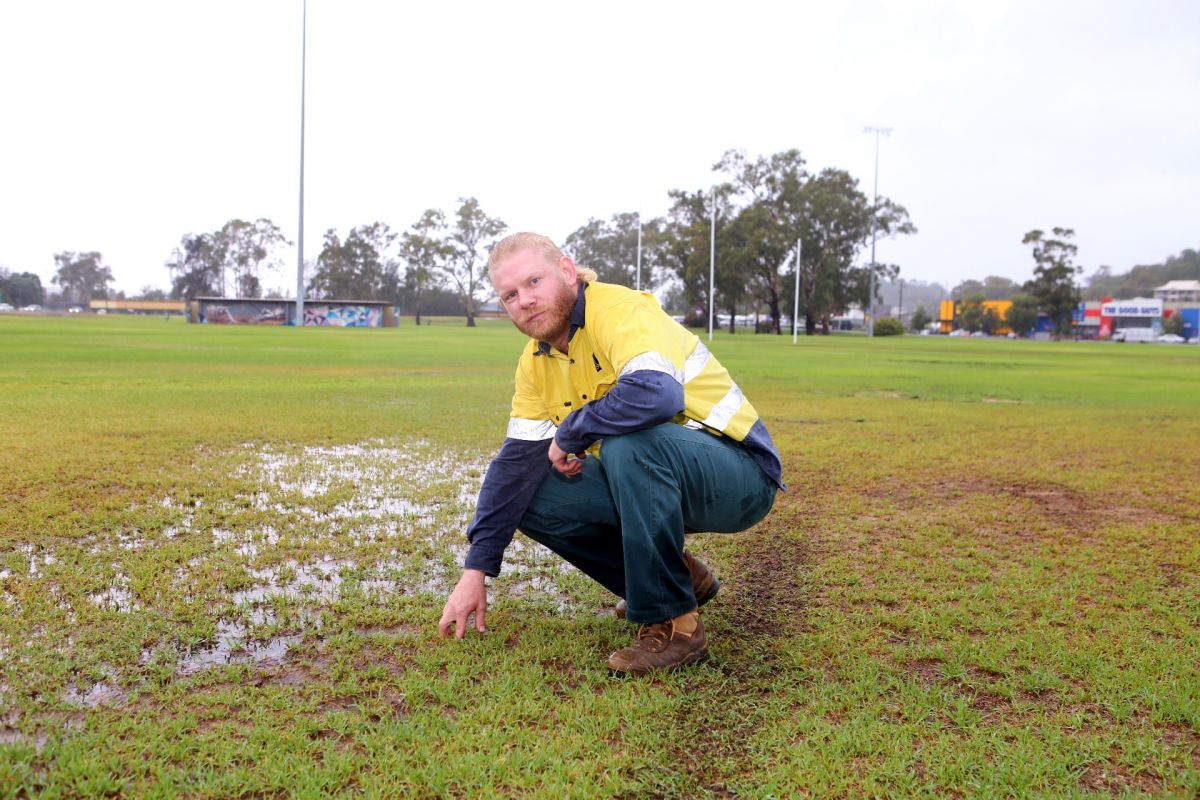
300, 235
712, 263
639, 254
874, 224
796, 301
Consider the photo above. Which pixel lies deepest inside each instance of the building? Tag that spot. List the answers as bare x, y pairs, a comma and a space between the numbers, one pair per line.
1178, 292
319, 313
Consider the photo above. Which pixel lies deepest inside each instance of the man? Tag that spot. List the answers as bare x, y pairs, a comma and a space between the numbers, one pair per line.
674, 447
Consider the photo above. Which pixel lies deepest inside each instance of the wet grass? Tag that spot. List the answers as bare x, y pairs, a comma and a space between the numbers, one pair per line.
223, 553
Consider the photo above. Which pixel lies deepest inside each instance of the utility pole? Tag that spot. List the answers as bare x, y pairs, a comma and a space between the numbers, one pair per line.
874, 223
712, 263
796, 300
639, 254
300, 235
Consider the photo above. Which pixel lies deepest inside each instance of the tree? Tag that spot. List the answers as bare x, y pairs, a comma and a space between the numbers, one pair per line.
832, 218
966, 289
202, 262
682, 246
149, 292
23, 289
1141, 280
470, 238
81, 276
195, 267
1053, 284
245, 249
424, 251
1022, 315
993, 287
609, 247
359, 268
970, 313
996, 287
920, 319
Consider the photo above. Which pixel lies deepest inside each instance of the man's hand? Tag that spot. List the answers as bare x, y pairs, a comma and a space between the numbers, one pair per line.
564, 463
469, 595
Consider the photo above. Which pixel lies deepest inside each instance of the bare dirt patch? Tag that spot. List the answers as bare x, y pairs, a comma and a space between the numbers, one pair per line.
1111, 778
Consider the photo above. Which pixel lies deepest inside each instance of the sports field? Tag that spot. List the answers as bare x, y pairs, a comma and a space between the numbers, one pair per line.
224, 551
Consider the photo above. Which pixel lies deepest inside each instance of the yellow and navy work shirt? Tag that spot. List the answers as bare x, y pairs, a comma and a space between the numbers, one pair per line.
628, 367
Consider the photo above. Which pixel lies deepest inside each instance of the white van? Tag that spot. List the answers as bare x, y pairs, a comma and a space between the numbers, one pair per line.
1134, 335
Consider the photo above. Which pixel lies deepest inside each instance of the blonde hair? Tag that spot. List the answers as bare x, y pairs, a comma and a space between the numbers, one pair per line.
539, 243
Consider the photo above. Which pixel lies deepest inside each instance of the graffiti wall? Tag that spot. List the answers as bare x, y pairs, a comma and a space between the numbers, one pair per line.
344, 316
324, 314
244, 312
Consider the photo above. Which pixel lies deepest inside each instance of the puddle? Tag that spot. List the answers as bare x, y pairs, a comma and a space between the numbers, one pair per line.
116, 597
360, 494
383, 481
99, 694
231, 647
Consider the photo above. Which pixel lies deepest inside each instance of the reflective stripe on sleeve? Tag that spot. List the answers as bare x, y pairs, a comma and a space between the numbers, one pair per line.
723, 411
651, 360
531, 430
696, 362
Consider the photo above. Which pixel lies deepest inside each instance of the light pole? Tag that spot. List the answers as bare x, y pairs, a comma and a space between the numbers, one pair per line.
712, 263
300, 235
874, 224
639, 254
796, 299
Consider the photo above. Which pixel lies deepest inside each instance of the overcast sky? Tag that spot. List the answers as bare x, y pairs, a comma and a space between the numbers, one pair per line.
129, 124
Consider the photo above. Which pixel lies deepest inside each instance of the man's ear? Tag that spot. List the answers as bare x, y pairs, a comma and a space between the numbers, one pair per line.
568, 270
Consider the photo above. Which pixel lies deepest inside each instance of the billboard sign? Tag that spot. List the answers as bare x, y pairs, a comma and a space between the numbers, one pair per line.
1137, 307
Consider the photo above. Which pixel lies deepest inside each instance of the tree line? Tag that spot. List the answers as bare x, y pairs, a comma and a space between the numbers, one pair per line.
767, 209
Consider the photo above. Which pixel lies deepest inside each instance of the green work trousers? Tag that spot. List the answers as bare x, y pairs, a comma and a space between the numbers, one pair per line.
622, 520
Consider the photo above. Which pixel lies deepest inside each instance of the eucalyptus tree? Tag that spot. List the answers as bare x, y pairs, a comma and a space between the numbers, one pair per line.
82, 276
1054, 277
469, 238
424, 251
361, 267
609, 246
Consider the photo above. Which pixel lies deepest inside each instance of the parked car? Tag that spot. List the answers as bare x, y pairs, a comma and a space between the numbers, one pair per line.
1171, 338
75, 310
6, 307
31, 307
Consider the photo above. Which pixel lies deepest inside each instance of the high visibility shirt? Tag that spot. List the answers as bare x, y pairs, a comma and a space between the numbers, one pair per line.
629, 367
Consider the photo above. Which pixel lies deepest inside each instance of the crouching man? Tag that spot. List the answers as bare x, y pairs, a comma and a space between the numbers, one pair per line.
625, 433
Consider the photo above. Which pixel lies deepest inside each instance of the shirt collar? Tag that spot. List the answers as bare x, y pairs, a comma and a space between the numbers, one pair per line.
577, 316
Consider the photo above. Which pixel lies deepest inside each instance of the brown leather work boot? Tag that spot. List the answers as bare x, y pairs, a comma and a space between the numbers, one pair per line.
664, 645
704, 584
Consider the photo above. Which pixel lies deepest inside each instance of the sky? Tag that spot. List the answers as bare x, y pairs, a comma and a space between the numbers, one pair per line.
127, 125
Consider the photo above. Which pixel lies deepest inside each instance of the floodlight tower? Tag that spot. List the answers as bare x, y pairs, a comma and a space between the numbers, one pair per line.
874, 224
300, 233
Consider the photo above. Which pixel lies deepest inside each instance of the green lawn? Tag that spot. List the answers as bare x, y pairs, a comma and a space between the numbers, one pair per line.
224, 551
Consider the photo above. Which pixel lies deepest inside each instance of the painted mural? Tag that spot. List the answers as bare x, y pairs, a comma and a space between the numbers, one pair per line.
243, 312
344, 316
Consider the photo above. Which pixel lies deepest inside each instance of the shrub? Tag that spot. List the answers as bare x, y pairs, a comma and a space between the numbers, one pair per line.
888, 326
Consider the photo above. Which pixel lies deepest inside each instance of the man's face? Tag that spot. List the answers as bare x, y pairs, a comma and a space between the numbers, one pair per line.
537, 293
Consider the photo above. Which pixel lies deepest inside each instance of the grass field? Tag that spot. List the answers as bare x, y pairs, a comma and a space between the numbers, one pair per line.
223, 553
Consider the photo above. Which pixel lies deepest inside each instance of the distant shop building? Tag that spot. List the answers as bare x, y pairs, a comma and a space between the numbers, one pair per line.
1138, 312
317, 313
